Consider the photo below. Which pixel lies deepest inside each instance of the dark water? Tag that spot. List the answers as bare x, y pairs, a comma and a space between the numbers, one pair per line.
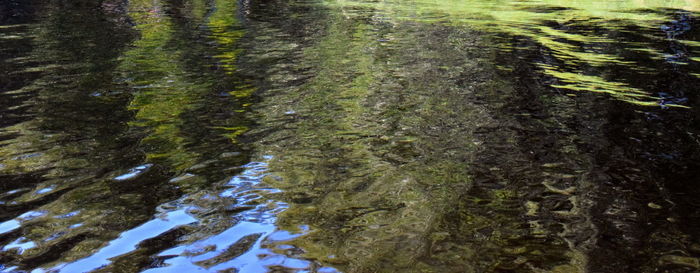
349, 136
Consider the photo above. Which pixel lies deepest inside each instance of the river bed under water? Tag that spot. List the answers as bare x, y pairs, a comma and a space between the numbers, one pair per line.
349, 136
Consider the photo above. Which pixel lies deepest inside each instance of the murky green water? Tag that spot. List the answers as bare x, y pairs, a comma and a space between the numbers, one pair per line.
349, 136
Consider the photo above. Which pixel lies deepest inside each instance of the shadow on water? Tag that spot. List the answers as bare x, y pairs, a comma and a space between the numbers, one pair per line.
353, 136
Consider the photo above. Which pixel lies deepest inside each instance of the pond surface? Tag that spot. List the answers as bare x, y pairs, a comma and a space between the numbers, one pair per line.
349, 136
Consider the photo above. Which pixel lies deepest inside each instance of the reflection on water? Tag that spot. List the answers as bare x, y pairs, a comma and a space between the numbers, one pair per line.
349, 136
588, 46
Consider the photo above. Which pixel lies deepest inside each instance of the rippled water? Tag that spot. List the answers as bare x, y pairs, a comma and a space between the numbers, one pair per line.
349, 136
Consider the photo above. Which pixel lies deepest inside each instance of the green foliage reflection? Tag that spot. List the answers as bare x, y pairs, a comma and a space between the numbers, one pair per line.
579, 34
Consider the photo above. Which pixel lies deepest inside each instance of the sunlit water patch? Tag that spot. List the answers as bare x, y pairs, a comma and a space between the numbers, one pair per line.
610, 47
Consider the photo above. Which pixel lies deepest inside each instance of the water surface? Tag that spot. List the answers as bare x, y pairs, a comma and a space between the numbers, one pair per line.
349, 136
